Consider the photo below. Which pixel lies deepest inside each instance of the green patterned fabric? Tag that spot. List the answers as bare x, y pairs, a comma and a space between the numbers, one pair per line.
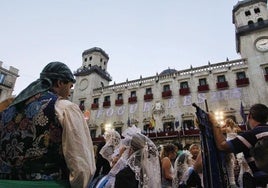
52, 71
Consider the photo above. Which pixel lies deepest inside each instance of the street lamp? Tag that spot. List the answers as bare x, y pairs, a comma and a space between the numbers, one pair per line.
107, 127
219, 115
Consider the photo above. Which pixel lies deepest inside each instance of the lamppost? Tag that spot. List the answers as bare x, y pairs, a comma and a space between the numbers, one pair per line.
219, 116
107, 127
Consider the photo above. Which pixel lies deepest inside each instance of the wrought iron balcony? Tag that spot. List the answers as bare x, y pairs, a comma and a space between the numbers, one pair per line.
94, 106
106, 104
222, 85
132, 99
166, 94
266, 77
184, 91
119, 102
203, 88
148, 97
242, 82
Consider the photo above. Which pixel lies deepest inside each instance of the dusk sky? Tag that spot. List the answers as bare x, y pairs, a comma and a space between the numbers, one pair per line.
141, 37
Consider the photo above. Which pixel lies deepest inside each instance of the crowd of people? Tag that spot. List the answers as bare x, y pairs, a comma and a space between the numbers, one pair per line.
44, 137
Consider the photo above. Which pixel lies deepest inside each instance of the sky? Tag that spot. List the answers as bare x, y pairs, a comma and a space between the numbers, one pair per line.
141, 37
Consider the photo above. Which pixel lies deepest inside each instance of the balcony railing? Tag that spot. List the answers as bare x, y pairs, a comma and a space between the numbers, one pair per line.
148, 97
242, 82
132, 99
203, 88
184, 91
106, 104
94, 106
266, 77
82, 107
166, 94
222, 85
119, 102
7, 84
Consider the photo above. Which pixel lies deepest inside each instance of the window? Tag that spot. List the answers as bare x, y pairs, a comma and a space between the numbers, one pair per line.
221, 78
184, 85
96, 100
266, 70
133, 94
2, 77
250, 23
240, 75
82, 103
148, 91
188, 124
93, 133
90, 58
85, 59
257, 10
120, 96
106, 98
260, 20
247, 13
100, 59
202, 82
168, 126
166, 88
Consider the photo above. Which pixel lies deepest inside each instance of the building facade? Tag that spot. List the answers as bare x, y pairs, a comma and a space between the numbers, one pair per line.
161, 105
8, 77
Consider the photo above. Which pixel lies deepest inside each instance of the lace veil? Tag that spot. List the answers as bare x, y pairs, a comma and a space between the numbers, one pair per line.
112, 139
183, 167
145, 161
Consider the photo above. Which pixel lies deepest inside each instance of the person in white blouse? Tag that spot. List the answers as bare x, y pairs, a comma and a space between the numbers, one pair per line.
44, 136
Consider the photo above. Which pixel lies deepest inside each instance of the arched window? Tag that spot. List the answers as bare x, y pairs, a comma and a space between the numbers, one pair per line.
250, 23
247, 13
260, 20
257, 10
168, 126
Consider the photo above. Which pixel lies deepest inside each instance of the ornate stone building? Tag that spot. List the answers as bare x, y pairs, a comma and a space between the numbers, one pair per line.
8, 77
167, 97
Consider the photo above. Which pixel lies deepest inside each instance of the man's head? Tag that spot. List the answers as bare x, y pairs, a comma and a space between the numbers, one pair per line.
60, 76
57, 71
258, 113
260, 154
55, 76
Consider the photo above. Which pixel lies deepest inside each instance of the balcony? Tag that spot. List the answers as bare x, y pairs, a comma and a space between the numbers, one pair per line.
6, 83
266, 77
106, 104
132, 100
222, 85
82, 107
242, 82
148, 97
203, 88
184, 91
119, 102
94, 106
193, 132
166, 94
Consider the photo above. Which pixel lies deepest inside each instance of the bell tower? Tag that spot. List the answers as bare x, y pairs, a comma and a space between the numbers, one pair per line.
250, 18
92, 74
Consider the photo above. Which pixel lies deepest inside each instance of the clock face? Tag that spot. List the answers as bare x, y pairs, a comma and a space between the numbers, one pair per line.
83, 84
262, 44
